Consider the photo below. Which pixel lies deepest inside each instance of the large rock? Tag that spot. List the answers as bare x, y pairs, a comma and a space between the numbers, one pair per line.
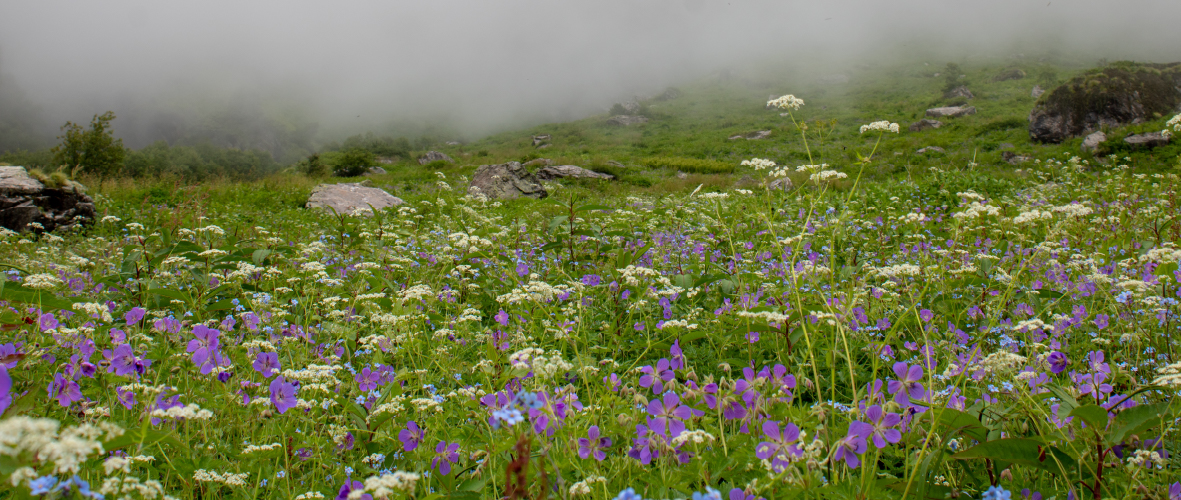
924, 124
1009, 74
351, 198
1014, 158
961, 91
951, 111
930, 149
1147, 141
434, 156
1113, 96
1092, 142
505, 181
25, 200
1037, 91
627, 120
540, 139
753, 136
570, 171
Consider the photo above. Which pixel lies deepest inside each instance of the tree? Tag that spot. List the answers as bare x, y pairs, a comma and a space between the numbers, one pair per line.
96, 151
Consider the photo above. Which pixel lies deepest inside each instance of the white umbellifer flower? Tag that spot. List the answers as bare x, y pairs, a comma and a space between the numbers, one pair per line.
94, 309
188, 412
228, 478
899, 270
110, 218
1175, 122
827, 176
263, 447
786, 102
758, 163
1166, 134
1169, 375
385, 485
311, 495
42, 281
811, 168
1032, 216
882, 126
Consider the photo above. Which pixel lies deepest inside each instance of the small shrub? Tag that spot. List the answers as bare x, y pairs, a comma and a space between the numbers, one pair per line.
437, 164
353, 162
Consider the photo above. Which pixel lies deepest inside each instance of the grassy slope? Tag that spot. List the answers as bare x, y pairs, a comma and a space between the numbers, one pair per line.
694, 129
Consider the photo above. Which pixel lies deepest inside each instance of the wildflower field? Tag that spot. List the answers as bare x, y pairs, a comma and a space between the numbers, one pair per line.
963, 331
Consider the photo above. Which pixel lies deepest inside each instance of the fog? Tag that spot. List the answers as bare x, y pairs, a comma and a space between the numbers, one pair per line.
242, 73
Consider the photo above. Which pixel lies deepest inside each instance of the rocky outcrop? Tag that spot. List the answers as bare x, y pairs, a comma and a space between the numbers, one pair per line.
753, 136
627, 120
1037, 91
930, 149
540, 139
951, 111
958, 92
1014, 158
1092, 142
570, 171
540, 162
782, 183
431, 156
924, 124
1147, 141
27, 203
1114, 96
505, 181
1009, 74
353, 199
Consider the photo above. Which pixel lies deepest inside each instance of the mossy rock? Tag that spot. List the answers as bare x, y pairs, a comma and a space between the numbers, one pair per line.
1113, 96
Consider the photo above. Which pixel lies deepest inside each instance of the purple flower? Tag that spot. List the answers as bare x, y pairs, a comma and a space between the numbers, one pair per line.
655, 377
593, 444
739, 494
283, 394
501, 317
670, 407
9, 351
368, 379
1101, 321
591, 280
522, 269
64, 389
907, 383
926, 315
126, 398
5, 390
445, 455
47, 322
349, 487
134, 315
1175, 491
122, 360
853, 444
1057, 362
1092, 383
204, 348
411, 436
883, 426
781, 446
266, 363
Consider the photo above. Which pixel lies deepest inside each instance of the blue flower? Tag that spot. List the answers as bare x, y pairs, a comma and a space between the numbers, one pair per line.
42, 485
629, 494
996, 493
710, 494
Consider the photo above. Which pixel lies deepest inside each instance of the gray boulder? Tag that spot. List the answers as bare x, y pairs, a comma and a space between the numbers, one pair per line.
540, 139
1014, 158
632, 107
351, 198
930, 149
627, 120
25, 200
570, 171
961, 91
1037, 91
543, 162
1114, 96
924, 124
782, 184
1009, 74
375, 171
1147, 141
505, 181
1092, 142
434, 156
951, 111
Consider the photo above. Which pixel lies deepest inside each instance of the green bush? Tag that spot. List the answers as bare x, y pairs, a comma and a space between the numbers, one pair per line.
313, 166
96, 150
353, 162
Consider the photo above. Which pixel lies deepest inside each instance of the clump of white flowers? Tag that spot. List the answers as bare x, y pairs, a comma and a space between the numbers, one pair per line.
1032, 216
228, 478
385, 485
1175, 122
38, 439
882, 126
1169, 375
758, 163
827, 176
786, 102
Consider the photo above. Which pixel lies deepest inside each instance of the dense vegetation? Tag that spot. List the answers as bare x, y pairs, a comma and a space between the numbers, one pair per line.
892, 324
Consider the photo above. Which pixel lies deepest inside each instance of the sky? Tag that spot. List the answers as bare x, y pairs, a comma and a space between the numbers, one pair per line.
485, 65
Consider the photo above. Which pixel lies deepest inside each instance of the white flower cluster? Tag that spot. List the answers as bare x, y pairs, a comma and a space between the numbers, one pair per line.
188, 412
634, 276
583, 487
758, 163
126, 486
1074, 210
882, 126
385, 485
94, 309
39, 439
1001, 362
311, 495
546, 367
696, 436
1169, 375
898, 270
768, 316
811, 168
1032, 216
1175, 122
786, 102
976, 210
228, 478
42, 281
827, 176
262, 447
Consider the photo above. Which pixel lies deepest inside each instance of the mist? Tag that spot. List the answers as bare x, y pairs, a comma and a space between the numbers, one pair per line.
258, 74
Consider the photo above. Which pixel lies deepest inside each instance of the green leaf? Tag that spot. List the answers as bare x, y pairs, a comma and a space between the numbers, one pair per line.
963, 423
1094, 415
259, 256
1021, 451
172, 294
1136, 420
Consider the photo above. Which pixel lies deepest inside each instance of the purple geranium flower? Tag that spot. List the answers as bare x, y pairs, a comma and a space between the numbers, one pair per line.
283, 394
349, 487
266, 363
134, 315
593, 444
445, 455
10, 355
47, 321
781, 446
883, 426
126, 397
5, 390
368, 379
411, 436
122, 360
853, 444
908, 383
204, 348
64, 389
501, 317
1057, 362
